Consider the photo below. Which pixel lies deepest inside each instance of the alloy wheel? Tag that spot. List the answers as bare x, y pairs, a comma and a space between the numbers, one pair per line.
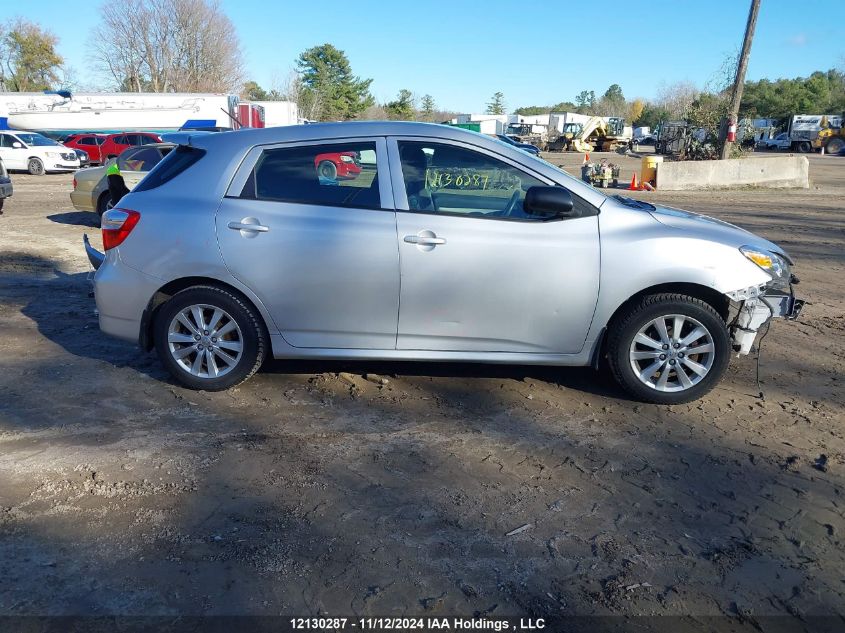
205, 341
672, 353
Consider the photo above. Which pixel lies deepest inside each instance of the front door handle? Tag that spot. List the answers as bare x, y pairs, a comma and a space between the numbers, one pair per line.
424, 240
245, 226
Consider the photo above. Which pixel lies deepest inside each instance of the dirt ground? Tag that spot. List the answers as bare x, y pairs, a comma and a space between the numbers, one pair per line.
307, 491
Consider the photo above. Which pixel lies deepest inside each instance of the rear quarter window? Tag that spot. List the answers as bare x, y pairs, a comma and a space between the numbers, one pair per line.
173, 164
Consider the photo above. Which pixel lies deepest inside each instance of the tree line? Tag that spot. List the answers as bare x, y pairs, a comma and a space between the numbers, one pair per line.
823, 92
192, 46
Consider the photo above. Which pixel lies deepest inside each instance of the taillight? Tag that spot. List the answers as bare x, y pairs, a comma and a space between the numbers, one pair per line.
117, 224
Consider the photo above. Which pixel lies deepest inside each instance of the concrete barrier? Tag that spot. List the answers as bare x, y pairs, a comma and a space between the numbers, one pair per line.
774, 172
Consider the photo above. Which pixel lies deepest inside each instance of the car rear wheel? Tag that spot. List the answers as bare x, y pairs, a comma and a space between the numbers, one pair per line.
103, 203
668, 348
35, 167
209, 338
327, 169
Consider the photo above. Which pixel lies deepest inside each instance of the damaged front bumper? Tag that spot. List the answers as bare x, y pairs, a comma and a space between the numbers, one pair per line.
755, 307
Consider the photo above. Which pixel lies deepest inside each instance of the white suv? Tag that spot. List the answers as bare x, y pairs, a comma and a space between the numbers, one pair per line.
35, 153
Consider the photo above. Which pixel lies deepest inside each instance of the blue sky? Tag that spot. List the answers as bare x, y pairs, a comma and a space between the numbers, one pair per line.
536, 52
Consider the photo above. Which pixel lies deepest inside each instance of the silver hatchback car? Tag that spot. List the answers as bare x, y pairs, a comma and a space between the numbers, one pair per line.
411, 241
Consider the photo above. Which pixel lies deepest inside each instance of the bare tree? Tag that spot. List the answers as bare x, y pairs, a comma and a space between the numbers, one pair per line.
677, 98
168, 46
308, 102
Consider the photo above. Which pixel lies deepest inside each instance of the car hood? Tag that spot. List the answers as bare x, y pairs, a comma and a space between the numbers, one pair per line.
710, 228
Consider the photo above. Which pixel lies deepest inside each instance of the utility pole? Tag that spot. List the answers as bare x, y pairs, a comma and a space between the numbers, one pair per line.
739, 83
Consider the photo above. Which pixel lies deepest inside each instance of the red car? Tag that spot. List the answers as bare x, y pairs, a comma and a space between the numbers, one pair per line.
116, 143
338, 165
88, 143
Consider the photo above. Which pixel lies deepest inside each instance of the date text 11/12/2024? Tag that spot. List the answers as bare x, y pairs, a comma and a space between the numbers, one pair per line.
417, 624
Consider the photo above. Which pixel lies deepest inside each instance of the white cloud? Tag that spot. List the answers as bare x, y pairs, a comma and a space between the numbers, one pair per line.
798, 40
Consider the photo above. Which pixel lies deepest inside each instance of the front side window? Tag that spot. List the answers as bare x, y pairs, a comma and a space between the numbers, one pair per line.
6, 140
447, 179
85, 140
337, 175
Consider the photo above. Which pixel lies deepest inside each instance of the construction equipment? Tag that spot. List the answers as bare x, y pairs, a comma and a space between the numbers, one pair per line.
562, 141
602, 174
531, 133
599, 133
831, 137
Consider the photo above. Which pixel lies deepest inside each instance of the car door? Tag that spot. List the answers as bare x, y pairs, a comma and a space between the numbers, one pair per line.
319, 251
13, 157
478, 273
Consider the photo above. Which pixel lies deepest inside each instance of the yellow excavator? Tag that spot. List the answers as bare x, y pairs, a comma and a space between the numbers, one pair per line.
600, 134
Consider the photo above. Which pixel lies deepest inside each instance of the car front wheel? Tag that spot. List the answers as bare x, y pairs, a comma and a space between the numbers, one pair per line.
327, 170
668, 348
35, 167
209, 338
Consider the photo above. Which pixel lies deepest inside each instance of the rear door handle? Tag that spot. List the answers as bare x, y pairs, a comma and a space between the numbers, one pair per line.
423, 240
246, 226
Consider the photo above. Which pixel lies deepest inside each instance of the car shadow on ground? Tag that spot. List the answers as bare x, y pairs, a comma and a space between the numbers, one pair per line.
76, 218
583, 379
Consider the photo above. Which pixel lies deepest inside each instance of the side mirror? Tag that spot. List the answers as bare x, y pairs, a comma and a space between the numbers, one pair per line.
17, 145
549, 203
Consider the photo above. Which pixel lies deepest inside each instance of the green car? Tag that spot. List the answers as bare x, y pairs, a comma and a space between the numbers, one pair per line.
91, 187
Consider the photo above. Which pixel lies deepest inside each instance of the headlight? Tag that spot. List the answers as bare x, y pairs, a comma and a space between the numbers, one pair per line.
776, 265
347, 159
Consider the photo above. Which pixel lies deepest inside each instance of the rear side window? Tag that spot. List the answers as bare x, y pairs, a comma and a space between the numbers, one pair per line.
141, 159
171, 165
336, 175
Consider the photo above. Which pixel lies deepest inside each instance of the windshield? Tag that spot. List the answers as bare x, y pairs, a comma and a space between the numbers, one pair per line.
30, 138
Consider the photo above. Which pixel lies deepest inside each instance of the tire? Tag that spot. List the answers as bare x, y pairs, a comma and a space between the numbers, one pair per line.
35, 166
834, 146
175, 331
2, 200
701, 370
805, 147
103, 203
327, 169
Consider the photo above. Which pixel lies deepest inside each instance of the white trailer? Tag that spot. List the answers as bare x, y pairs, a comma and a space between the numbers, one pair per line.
278, 113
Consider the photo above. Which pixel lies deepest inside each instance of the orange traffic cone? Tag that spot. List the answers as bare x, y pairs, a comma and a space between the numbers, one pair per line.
633, 186
586, 158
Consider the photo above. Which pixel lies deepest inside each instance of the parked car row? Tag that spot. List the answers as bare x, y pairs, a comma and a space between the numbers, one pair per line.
39, 154
101, 147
